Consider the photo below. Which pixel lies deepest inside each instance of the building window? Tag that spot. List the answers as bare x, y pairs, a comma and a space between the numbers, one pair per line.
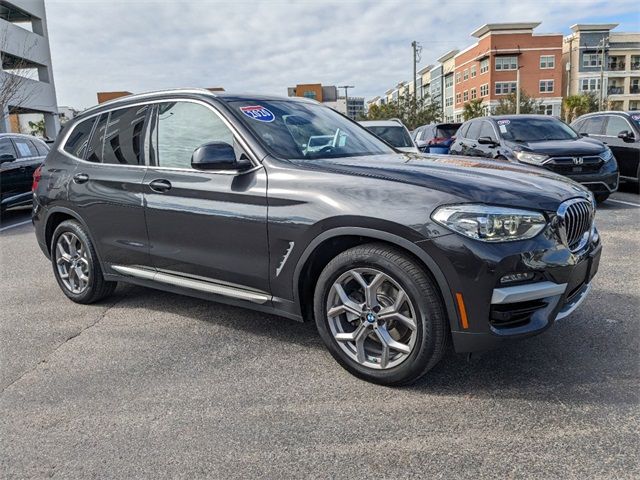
309, 94
484, 66
545, 110
635, 62
589, 84
473, 71
448, 102
634, 105
591, 60
546, 86
635, 85
465, 96
504, 88
484, 90
465, 74
474, 94
506, 63
547, 61
458, 74
458, 97
448, 81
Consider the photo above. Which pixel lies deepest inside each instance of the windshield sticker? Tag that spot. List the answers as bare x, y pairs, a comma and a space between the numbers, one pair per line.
258, 112
504, 122
503, 128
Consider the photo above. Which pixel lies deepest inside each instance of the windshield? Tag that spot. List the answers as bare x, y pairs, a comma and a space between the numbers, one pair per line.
535, 129
395, 135
300, 130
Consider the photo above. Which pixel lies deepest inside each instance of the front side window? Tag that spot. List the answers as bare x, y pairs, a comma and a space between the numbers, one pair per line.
592, 126
616, 125
535, 130
123, 137
506, 63
396, 135
78, 140
486, 130
6, 149
181, 128
295, 130
547, 61
474, 131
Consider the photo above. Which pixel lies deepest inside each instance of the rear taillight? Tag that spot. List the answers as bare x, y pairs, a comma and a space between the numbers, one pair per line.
37, 175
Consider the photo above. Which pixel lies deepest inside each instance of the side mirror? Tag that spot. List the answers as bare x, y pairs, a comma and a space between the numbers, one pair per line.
7, 157
214, 156
627, 136
487, 141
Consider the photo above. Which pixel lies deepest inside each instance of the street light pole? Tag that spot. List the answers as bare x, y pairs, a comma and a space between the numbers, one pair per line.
602, 73
518, 90
346, 97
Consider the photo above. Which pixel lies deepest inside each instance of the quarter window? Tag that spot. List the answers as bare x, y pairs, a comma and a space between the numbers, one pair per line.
182, 128
547, 61
95, 147
546, 86
41, 147
78, 140
506, 63
123, 139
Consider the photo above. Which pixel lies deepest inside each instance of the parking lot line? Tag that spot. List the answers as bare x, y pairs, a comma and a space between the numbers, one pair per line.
14, 225
624, 203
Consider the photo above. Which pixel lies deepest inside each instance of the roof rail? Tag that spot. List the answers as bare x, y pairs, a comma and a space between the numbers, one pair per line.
150, 94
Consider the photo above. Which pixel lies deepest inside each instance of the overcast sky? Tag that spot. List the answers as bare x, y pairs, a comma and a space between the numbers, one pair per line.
266, 46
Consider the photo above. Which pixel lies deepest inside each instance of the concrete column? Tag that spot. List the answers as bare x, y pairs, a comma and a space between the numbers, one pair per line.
51, 125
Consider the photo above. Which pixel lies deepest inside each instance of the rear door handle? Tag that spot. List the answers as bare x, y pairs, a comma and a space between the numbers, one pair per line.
160, 185
80, 178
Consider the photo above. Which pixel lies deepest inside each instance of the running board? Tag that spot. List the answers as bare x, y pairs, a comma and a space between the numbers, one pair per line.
201, 285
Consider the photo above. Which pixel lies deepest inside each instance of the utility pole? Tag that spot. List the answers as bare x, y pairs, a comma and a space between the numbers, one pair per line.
518, 89
569, 65
417, 49
603, 41
346, 97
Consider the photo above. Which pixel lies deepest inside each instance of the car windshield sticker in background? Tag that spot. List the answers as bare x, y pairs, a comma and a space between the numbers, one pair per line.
502, 125
257, 112
635, 117
504, 122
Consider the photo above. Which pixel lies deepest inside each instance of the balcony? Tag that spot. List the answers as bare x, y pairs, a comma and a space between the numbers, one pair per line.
616, 64
615, 90
634, 89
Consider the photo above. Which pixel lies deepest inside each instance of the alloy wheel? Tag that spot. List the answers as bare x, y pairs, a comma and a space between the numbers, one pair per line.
72, 263
372, 318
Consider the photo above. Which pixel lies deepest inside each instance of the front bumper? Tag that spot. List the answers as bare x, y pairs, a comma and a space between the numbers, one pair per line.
495, 312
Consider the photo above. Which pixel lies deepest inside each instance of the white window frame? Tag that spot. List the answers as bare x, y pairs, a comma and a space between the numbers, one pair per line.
465, 96
485, 87
590, 56
458, 77
502, 86
509, 60
473, 71
484, 66
465, 75
545, 64
459, 97
474, 93
587, 81
546, 83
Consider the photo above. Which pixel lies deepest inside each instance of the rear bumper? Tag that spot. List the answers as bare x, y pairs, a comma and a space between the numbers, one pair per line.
497, 313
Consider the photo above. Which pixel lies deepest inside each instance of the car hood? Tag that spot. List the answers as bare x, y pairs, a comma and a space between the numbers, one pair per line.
571, 148
467, 179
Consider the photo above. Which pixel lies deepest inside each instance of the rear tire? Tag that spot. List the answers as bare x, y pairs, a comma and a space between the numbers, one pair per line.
358, 325
76, 266
601, 197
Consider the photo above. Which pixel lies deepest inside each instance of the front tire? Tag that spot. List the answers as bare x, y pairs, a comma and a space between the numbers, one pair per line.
601, 197
76, 266
380, 315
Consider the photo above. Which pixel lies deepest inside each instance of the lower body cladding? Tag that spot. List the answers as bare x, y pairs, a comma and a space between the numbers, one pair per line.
514, 290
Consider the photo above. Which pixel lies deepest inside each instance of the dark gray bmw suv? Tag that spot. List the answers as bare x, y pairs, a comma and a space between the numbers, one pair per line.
229, 198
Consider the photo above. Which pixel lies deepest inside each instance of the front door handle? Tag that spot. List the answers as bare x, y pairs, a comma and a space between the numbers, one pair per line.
80, 178
160, 185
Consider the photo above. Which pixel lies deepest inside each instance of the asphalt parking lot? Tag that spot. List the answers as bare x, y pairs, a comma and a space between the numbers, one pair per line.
150, 384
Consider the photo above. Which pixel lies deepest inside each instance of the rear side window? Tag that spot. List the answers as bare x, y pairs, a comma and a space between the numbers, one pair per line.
123, 137
592, 125
25, 148
6, 149
76, 144
41, 147
96, 144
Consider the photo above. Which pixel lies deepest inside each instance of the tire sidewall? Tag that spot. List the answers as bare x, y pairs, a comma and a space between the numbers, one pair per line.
418, 361
94, 269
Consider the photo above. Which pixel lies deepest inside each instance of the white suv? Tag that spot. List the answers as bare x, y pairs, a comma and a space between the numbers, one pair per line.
393, 132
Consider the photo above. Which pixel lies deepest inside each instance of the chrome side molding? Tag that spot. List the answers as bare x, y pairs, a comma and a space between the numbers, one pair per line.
524, 293
201, 285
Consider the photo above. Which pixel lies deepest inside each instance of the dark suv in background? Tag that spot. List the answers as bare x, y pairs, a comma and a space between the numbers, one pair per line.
20, 155
393, 254
541, 141
620, 131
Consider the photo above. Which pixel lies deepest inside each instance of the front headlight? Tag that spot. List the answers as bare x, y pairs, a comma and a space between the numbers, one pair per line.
488, 223
532, 158
606, 155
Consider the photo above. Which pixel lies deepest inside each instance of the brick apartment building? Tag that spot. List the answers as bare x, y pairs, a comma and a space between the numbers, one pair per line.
488, 69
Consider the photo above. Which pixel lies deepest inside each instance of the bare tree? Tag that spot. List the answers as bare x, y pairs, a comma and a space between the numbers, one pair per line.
17, 72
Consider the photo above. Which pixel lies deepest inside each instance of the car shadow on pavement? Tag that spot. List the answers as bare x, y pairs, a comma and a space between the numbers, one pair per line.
586, 358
